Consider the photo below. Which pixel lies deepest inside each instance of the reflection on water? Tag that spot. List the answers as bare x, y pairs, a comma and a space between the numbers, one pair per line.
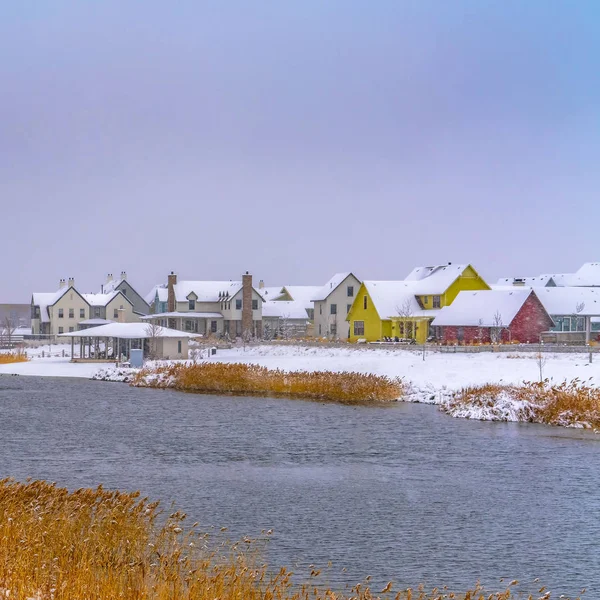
400, 492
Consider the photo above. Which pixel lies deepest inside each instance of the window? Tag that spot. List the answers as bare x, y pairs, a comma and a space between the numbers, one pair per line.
333, 309
61, 313
213, 327
425, 299
71, 329
188, 325
191, 304
333, 329
365, 302
179, 347
320, 309
350, 291
254, 304
61, 330
437, 302
348, 307
359, 328
71, 313
82, 313
97, 312
238, 304
116, 313
319, 328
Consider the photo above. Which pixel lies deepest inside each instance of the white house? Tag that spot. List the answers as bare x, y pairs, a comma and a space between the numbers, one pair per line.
332, 303
229, 308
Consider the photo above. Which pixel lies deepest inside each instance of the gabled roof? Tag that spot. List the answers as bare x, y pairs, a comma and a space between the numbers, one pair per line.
271, 292
330, 286
396, 298
436, 279
111, 286
206, 291
284, 309
163, 294
46, 299
485, 308
584, 301
104, 299
303, 294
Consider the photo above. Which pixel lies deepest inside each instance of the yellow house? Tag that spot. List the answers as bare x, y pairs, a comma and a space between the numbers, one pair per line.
405, 309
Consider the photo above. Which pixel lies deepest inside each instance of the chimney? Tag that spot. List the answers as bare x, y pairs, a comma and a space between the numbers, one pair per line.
123, 276
61, 284
172, 282
261, 284
121, 315
109, 278
71, 282
247, 321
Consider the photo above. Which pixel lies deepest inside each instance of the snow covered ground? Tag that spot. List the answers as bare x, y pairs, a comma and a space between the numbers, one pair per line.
437, 373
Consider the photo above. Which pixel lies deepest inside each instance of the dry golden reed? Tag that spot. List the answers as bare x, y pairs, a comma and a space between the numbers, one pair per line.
13, 357
96, 544
567, 403
239, 378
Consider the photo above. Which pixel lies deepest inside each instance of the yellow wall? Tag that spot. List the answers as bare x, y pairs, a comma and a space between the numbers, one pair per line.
470, 280
373, 324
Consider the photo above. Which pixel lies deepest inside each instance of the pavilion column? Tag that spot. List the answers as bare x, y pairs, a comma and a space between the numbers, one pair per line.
72, 347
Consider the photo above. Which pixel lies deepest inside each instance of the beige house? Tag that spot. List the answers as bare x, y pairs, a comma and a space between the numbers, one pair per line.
221, 308
67, 310
332, 303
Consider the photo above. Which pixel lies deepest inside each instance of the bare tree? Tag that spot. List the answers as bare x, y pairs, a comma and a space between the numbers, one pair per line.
7, 329
286, 329
497, 327
541, 361
405, 312
246, 338
480, 331
154, 332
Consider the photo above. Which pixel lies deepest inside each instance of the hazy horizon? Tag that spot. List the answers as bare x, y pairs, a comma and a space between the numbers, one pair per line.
295, 140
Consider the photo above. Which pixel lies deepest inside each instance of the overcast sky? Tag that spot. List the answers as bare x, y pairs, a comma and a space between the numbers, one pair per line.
295, 139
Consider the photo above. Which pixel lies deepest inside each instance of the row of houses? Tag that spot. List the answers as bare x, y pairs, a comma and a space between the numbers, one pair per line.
448, 303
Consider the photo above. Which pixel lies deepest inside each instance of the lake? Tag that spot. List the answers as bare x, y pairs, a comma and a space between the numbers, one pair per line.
401, 492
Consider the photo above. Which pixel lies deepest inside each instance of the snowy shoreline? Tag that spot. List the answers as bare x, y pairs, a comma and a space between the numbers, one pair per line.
434, 380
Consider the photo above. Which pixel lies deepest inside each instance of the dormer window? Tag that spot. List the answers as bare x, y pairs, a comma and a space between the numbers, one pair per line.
437, 302
191, 304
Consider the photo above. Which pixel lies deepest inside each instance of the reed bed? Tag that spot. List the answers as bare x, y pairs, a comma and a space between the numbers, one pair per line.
13, 357
239, 378
96, 544
571, 404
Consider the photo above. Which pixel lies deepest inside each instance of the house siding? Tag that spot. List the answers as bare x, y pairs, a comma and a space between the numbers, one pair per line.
527, 326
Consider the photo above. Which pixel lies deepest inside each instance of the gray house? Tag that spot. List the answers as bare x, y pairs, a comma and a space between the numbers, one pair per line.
140, 306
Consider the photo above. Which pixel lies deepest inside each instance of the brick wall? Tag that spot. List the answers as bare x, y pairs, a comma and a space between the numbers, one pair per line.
247, 321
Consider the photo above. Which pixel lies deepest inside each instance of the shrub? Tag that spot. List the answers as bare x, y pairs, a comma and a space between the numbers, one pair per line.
239, 378
568, 404
96, 544
13, 357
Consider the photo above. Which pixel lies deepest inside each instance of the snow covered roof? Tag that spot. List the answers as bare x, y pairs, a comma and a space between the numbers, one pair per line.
133, 331
101, 299
111, 286
303, 294
95, 322
163, 293
185, 315
271, 292
484, 308
436, 279
46, 299
539, 281
323, 292
284, 309
584, 301
206, 291
396, 298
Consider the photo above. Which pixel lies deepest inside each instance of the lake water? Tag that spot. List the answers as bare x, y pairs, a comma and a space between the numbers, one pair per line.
401, 492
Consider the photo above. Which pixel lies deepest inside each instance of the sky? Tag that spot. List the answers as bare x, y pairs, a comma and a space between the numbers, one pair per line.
295, 139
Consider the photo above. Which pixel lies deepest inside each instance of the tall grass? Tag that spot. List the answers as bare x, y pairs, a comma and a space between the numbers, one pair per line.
96, 544
13, 357
572, 403
238, 378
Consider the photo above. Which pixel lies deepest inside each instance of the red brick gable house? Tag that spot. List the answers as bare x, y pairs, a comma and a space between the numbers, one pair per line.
493, 316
